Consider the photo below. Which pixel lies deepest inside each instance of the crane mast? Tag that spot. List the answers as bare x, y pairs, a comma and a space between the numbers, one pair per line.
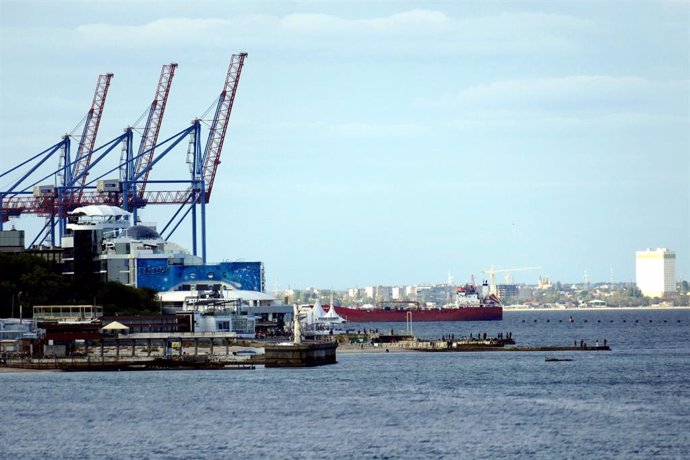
492, 275
216, 136
153, 125
88, 138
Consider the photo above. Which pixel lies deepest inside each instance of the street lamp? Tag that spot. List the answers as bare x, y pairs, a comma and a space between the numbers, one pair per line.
19, 301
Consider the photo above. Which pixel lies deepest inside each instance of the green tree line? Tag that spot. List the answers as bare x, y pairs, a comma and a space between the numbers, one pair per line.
29, 280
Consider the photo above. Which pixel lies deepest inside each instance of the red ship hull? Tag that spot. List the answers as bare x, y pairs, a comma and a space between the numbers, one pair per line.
379, 315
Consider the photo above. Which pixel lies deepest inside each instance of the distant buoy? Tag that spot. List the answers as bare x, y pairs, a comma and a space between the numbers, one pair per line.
598, 321
535, 320
560, 320
548, 320
637, 320
523, 320
650, 320
585, 321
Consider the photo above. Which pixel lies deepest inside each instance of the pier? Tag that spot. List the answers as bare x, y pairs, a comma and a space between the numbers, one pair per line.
408, 342
300, 354
478, 347
126, 364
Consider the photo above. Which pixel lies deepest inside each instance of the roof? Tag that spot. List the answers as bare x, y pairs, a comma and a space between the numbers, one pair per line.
229, 294
318, 310
332, 314
100, 210
140, 232
115, 326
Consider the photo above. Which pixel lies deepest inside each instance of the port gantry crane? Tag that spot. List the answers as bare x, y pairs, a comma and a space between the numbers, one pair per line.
204, 166
153, 126
130, 192
52, 202
216, 136
72, 174
80, 168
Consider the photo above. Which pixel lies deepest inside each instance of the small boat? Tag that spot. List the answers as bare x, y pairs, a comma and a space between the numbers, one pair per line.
244, 352
550, 359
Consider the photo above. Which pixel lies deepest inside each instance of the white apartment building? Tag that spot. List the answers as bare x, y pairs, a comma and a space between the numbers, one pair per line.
656, 272
355, 293
378, 292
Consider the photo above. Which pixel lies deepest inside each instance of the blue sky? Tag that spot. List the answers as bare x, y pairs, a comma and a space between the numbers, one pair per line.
389, 142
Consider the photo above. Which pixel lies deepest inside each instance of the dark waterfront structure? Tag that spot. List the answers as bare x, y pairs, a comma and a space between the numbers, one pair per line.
301, 354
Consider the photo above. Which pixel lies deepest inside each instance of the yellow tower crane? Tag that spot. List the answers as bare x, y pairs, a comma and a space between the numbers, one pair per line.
492, 275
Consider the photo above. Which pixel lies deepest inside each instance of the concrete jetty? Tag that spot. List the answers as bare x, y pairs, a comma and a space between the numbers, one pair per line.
300, 354
410, 343
466, 348
126, 364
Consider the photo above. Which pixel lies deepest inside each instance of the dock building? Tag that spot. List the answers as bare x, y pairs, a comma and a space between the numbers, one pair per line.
102, 243
12, 240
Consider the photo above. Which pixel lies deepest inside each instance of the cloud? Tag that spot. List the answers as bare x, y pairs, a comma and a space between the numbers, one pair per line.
351, 130
415, 21
168, 31
181, 30
574, 94
412, 32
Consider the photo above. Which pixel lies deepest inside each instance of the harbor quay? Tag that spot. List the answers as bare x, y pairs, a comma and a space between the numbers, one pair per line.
187, 351
376, 343
163, 351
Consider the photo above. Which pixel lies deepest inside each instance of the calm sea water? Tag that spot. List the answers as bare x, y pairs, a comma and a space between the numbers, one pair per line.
632, 402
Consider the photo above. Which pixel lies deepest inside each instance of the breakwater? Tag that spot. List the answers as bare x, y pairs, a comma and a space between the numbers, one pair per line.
127, 364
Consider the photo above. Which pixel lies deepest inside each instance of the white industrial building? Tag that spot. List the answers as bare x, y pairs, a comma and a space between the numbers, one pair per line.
656, 272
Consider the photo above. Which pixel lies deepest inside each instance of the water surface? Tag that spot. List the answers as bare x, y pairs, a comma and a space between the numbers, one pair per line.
632, 402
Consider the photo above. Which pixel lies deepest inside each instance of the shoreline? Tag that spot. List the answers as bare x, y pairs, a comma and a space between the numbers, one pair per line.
589, 309
21, 370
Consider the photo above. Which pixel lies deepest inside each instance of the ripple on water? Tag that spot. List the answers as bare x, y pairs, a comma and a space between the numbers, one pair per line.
630, 403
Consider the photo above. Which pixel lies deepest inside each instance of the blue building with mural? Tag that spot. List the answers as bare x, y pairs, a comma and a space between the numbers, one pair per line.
100, 241
161, 275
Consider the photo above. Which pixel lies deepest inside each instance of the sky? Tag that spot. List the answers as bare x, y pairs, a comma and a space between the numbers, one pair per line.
388, 142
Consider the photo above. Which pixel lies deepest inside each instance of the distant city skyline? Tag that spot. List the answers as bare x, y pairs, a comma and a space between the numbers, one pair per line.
389, 143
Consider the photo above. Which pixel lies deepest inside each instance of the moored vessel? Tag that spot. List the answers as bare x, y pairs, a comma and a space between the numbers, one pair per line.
470, 305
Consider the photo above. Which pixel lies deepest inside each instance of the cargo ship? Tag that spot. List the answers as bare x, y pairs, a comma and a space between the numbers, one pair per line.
469, 305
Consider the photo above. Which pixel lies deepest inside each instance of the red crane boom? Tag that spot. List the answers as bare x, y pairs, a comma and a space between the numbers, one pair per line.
47, 204
214, 145
88, 138
153, 124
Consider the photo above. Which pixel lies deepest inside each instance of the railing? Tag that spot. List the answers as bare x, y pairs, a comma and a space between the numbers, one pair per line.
176, 335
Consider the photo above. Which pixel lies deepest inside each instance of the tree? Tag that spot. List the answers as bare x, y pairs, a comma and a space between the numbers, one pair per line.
115, 297
31, 280
38, 281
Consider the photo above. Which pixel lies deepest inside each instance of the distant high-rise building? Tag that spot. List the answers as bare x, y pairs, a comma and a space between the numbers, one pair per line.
656, 272
12, 240
370, 292
508, 290
355, 293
